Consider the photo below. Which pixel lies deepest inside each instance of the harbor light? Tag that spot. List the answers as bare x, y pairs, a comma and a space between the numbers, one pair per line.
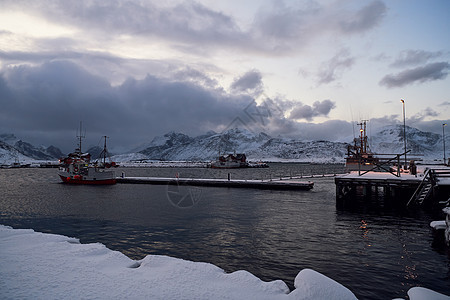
443, 140
404, 128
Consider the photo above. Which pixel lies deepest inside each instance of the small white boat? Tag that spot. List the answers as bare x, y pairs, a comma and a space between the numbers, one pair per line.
447, 223
444, 224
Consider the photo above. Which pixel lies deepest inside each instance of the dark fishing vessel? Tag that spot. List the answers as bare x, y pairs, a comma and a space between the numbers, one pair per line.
77, 167
230, 161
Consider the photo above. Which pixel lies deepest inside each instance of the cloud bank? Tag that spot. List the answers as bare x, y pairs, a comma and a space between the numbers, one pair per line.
307, 112
333, 68
429, 72
249, 82
47, 102
409, 58
279, 28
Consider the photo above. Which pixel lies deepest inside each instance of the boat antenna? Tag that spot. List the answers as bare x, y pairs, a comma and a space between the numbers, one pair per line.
353, 123
363, 136
105, 151
80, 136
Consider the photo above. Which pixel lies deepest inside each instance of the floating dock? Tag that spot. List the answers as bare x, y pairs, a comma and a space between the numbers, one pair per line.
256, 184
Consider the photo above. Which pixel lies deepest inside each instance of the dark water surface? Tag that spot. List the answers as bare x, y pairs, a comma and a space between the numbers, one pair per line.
377, 253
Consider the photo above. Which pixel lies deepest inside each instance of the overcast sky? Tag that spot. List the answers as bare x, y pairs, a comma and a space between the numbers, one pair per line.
132, 70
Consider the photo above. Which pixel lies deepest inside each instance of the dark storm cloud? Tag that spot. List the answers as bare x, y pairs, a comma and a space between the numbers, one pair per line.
116, 69
55, 96
414, 57
250, 81
49, 95
331, 70
44, 104
319, 108
429, 72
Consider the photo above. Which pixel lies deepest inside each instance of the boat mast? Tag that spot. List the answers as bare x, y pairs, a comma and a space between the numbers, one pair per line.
81, 136
104, 150
363, 136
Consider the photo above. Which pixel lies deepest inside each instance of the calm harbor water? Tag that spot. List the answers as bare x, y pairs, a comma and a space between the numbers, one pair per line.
378, 253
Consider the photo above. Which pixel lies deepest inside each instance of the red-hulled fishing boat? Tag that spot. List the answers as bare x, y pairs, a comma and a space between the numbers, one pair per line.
77, 167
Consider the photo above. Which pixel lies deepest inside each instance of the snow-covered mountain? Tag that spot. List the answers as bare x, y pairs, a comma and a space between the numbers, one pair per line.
257, 146
260, 146
390, 140
12, 149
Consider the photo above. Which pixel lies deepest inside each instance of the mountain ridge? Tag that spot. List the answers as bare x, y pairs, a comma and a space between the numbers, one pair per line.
12, 149
176, 146
261, 146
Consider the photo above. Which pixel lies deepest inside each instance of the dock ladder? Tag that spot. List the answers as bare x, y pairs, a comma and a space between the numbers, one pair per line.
423, 190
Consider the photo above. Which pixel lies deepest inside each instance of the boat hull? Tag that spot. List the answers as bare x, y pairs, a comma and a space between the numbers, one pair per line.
225, 167
88, 176
72, 180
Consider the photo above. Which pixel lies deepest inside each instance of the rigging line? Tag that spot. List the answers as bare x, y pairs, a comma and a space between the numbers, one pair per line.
99, 141
353, 122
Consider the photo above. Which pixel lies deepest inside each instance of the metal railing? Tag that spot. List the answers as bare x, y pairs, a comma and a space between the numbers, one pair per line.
384, 164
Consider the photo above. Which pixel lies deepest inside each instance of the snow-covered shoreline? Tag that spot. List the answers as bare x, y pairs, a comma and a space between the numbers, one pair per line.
37, 265
48, 266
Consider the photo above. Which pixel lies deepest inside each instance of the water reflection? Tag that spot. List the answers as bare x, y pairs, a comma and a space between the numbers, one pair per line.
376, 252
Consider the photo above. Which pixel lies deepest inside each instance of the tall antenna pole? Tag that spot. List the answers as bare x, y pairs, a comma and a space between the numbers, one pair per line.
443, 140
404, 128
104, 150
80, 136
363, 136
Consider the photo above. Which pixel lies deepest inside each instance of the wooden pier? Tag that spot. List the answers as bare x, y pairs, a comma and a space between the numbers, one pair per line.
256, 184
431, 186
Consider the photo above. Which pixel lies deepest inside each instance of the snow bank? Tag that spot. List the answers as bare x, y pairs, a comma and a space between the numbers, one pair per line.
46, 266
420, 293
438, 225
36, 265
310, 284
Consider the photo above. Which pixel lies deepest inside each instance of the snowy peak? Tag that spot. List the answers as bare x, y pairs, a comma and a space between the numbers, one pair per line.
257, 146
54, 152
239, 140
12, 148
175, 146
31, 151
390, 140
8, 138
166, 140
260, 146
161, 147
